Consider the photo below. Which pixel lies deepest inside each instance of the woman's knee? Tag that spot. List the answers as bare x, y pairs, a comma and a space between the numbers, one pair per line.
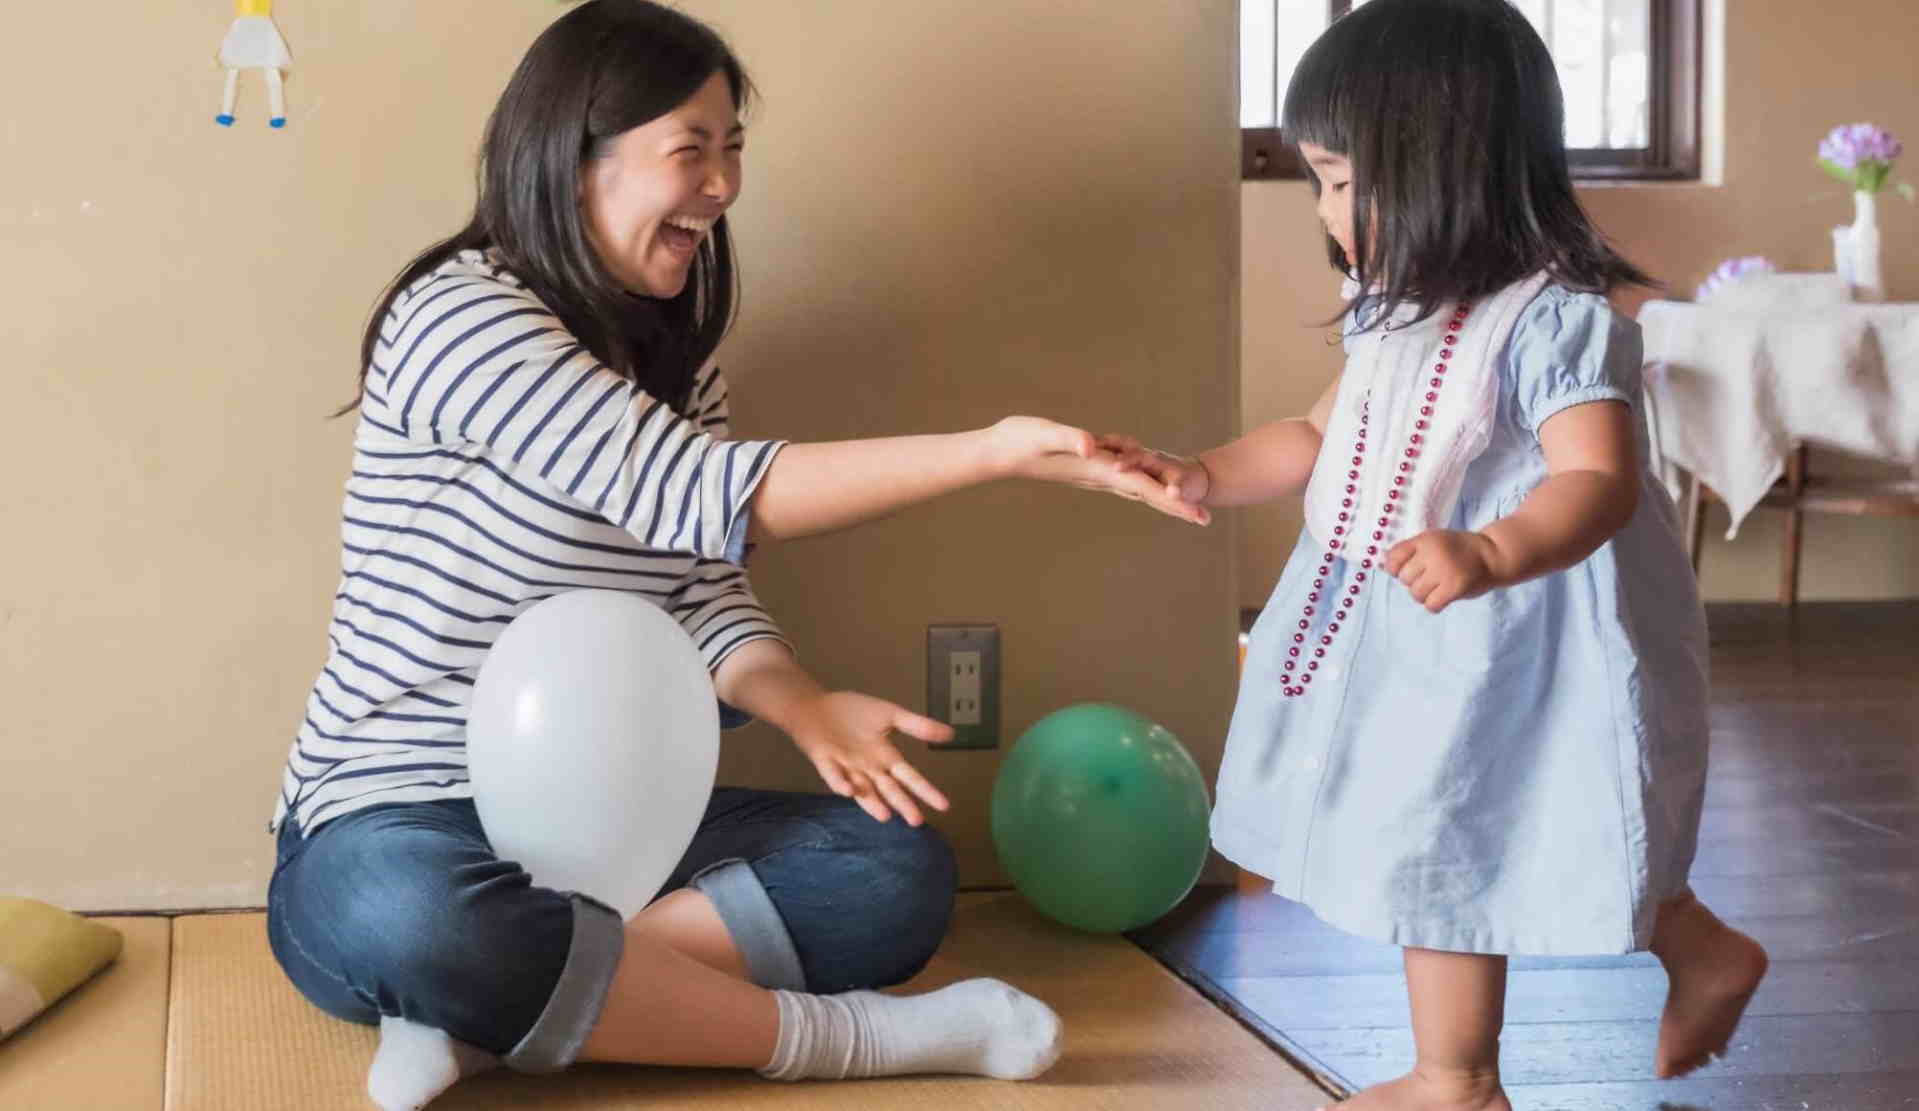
483, 926
405, 923
920, 864
929, 876
906, 877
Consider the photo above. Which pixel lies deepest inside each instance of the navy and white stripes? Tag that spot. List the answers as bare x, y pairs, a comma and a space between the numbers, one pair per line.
497, 463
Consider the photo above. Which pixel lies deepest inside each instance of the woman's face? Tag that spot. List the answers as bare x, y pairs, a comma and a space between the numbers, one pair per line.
1334, 172
656, 192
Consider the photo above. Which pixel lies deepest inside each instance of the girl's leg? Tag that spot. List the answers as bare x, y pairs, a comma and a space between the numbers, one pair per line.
1458, 1005
1712, 971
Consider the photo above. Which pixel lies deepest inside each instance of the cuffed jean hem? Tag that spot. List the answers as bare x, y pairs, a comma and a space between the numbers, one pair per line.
599, 939
754, 923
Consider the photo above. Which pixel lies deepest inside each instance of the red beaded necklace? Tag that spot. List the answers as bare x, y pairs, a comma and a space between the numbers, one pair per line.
1297, 681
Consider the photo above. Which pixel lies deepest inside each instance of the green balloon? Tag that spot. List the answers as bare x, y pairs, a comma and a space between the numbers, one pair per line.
1100, 816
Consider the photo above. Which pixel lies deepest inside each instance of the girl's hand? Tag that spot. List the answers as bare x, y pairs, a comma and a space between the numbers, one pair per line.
847, 736
1029, 447
1185, 479
1105, 472
1442, 566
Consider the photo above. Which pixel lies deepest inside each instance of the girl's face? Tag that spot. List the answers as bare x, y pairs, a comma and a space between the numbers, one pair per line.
657, 190
1334, 172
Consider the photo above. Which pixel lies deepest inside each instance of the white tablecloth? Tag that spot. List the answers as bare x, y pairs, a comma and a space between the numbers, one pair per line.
1733, 389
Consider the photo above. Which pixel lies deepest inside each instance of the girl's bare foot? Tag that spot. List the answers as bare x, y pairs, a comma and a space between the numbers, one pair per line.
1431, 1090
1711, 971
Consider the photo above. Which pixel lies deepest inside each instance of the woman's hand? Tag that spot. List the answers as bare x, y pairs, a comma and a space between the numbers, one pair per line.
1018, 447
848, 737
1442, 566
1184, 478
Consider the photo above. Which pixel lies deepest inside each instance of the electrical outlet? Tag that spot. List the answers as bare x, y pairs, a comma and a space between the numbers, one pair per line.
962, 706
962, 682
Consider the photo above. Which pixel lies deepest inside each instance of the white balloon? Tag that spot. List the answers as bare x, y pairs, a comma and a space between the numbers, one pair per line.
592, 742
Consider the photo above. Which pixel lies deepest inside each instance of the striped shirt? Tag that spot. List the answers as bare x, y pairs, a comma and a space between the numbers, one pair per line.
497, 463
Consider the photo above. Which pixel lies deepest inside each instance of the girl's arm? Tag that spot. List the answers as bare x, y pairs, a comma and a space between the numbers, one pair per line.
1590, 493
847, 736
1272, 461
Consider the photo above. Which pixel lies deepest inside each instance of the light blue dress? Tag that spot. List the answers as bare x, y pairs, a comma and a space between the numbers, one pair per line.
1521, 773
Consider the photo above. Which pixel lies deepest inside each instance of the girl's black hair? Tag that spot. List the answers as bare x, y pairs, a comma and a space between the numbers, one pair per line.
598, 71
1451, 114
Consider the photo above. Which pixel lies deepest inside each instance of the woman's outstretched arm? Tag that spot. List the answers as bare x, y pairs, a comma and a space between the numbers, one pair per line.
815, 488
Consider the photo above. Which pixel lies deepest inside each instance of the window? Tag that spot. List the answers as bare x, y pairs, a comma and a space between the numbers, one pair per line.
1629, 69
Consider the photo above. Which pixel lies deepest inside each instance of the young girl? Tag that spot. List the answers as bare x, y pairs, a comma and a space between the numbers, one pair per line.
539, 413
1472, 720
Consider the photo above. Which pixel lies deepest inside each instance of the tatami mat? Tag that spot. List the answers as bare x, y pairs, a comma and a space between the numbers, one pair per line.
1137, 1038
104, 1044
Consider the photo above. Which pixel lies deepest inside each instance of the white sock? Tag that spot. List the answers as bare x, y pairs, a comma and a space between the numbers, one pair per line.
416, 1063
977, 1027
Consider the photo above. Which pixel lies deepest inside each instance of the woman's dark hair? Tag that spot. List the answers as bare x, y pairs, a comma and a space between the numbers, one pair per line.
600, 70
1451, 114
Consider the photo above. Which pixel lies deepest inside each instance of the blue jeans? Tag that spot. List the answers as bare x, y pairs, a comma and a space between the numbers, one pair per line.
405, 910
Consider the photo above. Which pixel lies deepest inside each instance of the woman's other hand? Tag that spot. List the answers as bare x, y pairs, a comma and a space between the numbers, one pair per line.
849, 738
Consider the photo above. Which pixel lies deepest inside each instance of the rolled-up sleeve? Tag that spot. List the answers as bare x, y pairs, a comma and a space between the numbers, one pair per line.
715, 603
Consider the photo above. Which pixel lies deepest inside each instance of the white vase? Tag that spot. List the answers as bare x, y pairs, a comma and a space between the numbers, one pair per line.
1855, 249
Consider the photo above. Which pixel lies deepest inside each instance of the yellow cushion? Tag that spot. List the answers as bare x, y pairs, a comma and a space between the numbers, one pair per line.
45, 952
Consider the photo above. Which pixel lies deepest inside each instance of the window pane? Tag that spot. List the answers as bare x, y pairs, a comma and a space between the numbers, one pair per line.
1273, 34
1602, 49
1256, 63
1629, 93
1579, 50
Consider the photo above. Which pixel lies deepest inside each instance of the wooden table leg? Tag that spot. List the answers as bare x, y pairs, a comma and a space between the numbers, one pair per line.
1795, 528
1695, 512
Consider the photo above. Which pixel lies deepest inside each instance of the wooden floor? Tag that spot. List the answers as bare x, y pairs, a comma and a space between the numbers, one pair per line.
1810, 842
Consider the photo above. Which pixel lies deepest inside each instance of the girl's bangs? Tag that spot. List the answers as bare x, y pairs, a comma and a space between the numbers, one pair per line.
1319, 105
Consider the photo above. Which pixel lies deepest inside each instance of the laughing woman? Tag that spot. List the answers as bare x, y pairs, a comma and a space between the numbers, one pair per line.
538, 412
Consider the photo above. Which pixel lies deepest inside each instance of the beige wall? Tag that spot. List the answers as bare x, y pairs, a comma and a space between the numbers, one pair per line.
1791, 73
953, 211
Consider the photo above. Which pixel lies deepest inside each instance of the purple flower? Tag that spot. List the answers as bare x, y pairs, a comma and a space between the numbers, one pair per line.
1861, 155
1853, 143
1731, 271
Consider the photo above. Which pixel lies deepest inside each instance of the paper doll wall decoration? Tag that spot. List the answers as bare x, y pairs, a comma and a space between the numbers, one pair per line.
253, 42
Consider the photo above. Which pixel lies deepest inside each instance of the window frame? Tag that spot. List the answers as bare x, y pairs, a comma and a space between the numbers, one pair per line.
1672, 149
